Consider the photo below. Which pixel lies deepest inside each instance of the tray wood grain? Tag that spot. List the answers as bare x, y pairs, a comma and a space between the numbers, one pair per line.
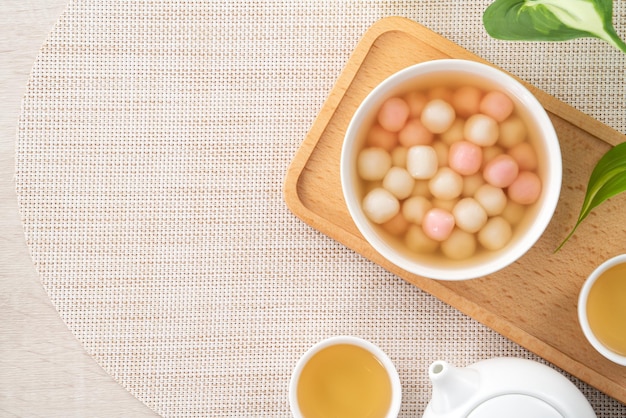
532, 302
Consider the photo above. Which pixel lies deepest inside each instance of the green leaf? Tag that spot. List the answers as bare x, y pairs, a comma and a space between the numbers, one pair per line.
552, 20
561, 20
607, 179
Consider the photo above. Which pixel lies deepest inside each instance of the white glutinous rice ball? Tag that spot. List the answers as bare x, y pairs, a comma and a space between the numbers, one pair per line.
421, 161
399, 182
446, 184
481, 130
512, 132
460, 245
380, 205
470, 216
437, 116
496, 233
414, 208
513, 212
373, 163
454, 132
491, 198
416, 240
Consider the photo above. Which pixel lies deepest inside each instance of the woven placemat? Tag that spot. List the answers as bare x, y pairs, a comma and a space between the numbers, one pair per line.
153, 142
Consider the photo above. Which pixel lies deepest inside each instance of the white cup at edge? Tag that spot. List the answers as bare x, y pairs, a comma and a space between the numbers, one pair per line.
396, 387
582, 310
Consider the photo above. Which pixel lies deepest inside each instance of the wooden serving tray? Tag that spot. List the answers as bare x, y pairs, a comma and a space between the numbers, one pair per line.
532, 302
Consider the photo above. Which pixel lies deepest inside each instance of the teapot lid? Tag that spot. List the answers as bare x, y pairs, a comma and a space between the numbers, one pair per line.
514, 406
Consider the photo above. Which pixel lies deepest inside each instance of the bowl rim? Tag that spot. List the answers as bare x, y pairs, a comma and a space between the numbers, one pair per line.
551, 188
583, 320
392, 372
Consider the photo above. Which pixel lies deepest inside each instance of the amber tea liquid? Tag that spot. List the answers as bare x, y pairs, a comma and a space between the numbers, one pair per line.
344, 381
606, 308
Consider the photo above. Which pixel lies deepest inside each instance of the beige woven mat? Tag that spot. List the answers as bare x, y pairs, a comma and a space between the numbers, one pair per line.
151, 152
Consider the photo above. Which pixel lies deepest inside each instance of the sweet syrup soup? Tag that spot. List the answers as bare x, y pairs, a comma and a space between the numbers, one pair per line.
606, 308
346, 381
449, 170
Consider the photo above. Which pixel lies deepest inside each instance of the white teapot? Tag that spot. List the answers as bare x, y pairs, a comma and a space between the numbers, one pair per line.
503, 387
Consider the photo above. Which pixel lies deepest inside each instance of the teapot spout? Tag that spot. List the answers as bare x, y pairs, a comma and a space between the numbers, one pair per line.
452, 386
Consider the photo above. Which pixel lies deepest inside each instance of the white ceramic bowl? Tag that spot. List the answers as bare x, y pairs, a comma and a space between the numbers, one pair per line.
396, 387
544, 140
582, 310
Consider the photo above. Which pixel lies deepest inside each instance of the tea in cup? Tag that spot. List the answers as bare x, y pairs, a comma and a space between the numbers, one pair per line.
602, 309
345, 377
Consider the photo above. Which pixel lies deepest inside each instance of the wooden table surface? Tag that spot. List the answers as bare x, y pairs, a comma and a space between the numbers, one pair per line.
44, 370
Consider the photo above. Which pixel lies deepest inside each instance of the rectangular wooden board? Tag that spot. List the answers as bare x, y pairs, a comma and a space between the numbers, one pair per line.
532, 302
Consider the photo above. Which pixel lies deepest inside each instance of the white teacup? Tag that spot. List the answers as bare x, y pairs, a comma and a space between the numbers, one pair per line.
602, 309
345, 376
